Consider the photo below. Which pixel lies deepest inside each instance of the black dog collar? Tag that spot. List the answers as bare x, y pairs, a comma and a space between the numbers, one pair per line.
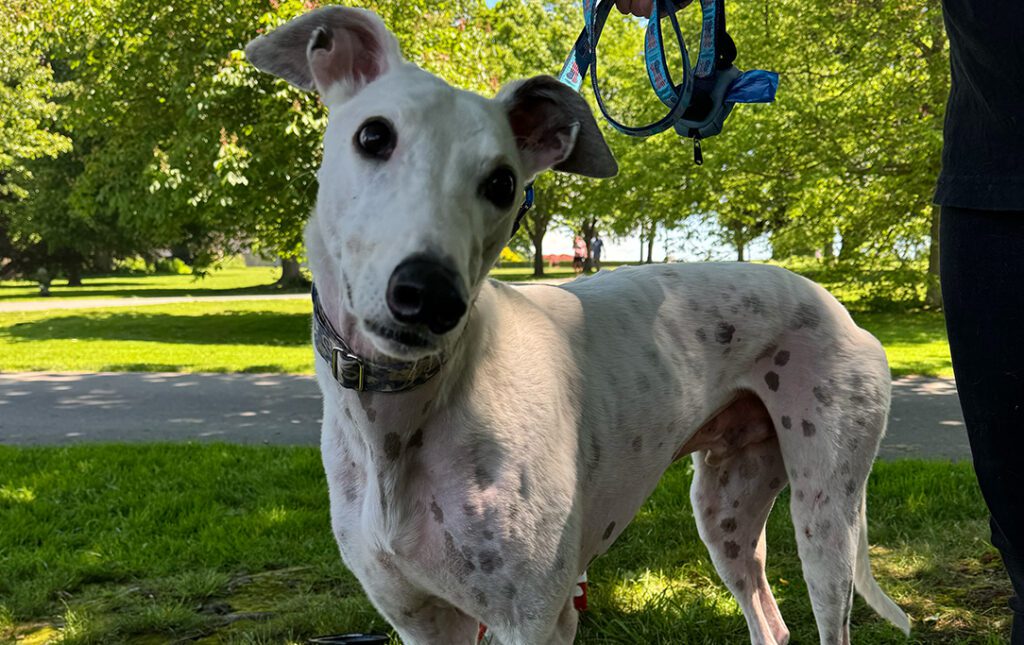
356, 373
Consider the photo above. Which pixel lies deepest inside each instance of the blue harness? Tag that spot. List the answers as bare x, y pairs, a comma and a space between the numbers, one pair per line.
699, 105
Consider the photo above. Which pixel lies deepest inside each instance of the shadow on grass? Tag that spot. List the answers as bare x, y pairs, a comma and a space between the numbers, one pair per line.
130, 289
236, 328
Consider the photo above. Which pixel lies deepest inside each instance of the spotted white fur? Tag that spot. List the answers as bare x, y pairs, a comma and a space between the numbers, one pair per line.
483, 494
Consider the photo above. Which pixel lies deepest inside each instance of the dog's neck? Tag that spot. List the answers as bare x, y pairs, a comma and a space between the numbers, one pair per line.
385, 433
379, 413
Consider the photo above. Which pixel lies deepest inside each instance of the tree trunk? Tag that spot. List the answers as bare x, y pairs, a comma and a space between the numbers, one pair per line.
642, 238
589, 227
74, 275
650, 243
740, 248
538, 255
103, 262
933, 293
291, 274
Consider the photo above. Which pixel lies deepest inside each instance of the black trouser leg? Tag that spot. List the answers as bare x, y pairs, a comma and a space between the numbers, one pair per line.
982, 268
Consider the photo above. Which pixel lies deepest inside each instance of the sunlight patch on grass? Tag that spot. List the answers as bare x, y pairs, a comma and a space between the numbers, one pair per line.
229, 281
273, 337
38, 635
20, 495
635, 592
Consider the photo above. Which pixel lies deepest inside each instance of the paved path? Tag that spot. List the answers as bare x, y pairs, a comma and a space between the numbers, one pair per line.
64, 408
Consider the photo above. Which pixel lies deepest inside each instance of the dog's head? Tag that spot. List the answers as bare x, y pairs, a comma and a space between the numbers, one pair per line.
420, 182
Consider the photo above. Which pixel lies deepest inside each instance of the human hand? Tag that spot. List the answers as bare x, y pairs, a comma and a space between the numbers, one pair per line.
639, 8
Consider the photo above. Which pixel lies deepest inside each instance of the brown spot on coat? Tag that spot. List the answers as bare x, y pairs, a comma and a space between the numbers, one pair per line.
728, 524
436, 510
732, 550
392, 445
808, 427
490, 561
479, 596
608, 531
371, 413
638, 443
787, 423
753, 303
806, 316
782, 358
851, 487
724, 333
772, 379
416, 440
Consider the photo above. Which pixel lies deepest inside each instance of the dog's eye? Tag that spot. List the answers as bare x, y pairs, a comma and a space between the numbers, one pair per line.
376, 139
500, 187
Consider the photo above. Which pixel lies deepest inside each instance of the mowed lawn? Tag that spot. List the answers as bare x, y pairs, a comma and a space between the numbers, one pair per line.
273, 336
231, 281
232, 544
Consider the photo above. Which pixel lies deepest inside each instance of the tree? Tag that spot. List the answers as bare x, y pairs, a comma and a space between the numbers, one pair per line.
28, 109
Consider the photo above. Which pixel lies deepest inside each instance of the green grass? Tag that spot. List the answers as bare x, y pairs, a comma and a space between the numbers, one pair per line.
915, 342
232, 544
273, 336
525, 274
244, 336
237, 281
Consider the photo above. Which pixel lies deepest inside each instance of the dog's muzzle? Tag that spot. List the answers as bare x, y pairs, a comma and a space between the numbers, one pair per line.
425, 291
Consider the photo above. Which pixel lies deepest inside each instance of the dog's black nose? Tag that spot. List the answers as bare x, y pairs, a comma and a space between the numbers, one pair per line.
425, 291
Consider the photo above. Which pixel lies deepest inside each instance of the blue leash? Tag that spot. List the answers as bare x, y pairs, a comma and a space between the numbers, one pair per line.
697, 106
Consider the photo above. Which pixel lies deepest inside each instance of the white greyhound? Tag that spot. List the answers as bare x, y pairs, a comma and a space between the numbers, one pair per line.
484, 442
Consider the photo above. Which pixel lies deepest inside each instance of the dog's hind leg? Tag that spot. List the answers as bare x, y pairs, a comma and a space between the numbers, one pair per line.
831, 415
731, 502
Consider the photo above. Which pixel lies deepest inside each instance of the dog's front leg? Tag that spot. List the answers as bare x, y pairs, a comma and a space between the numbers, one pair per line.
419, 618
560, 631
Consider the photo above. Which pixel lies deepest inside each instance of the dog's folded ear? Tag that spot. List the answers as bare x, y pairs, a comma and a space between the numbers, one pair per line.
336, 50
554, 128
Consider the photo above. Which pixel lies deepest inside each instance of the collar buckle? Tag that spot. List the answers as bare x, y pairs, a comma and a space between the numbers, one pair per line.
337, 352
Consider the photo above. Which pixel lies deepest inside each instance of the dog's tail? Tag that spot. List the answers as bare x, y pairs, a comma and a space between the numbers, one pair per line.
866, 584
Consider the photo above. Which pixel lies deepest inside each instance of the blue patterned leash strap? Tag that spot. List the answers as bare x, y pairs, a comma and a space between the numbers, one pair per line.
697, 106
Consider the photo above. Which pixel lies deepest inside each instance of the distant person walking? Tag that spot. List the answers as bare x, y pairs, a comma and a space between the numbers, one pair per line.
579, 254
596, 245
